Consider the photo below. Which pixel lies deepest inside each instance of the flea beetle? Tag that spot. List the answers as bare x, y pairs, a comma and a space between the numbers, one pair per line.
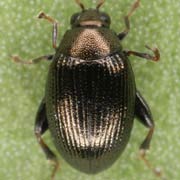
91, 98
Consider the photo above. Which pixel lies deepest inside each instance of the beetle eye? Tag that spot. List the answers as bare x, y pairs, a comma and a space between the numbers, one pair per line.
74, 17
105, 18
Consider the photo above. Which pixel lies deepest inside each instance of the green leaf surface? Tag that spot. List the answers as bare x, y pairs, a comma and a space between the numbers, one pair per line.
22, 87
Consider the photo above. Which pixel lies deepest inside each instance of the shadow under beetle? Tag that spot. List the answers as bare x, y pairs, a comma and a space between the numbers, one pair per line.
91, 98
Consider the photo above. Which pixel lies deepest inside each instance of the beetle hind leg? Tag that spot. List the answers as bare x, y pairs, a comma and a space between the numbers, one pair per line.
41, 126
144, 115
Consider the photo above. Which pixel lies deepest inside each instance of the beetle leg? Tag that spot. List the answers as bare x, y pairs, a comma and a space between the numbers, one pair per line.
143, 113
55, 27
155, 50
18, 59
123, 34
41, 125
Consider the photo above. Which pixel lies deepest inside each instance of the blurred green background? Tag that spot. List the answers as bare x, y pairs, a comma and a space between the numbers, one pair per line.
22, 87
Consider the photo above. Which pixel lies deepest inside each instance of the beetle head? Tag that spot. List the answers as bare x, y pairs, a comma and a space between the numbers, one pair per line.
90, 17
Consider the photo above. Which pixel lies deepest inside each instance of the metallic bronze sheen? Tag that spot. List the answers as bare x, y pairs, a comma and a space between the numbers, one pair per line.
89, 43
90, 97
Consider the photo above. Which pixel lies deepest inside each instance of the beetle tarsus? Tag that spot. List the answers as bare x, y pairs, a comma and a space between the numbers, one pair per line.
157, 171
134, 7
18, 59
42, 15
147, 56
156, 52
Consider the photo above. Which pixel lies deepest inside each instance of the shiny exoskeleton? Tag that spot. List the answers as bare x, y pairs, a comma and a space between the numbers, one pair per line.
90, 109
91, 98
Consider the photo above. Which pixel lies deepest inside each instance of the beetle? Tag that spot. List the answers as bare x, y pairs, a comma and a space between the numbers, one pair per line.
91, 98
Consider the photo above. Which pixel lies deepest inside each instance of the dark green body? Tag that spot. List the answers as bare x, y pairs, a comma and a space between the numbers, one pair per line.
90, 98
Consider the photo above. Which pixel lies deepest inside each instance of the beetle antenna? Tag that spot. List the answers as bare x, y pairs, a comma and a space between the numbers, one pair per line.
100, 3
80, 4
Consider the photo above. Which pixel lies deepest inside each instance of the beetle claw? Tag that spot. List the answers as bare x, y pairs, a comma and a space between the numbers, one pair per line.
156, 52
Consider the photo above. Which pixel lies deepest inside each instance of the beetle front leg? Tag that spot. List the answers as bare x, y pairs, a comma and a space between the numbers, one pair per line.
123, 34
18, 59
156, 52
41, 125
143, 113
42, 15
